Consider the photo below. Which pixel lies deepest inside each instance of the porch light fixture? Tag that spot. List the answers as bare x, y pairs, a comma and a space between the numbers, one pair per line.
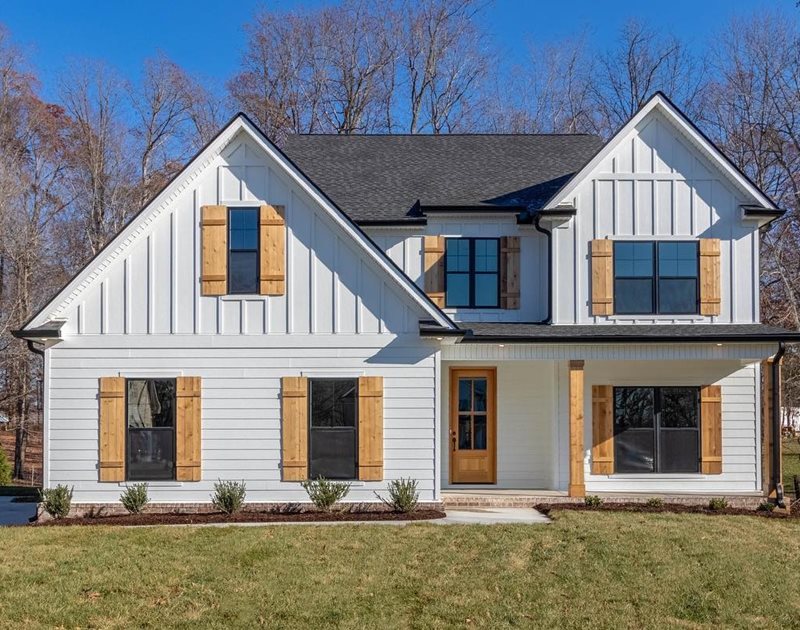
719, 345
438, 338
501, 345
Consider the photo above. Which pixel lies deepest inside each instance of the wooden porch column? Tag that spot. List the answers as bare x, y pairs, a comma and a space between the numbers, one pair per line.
767, 436
576, 483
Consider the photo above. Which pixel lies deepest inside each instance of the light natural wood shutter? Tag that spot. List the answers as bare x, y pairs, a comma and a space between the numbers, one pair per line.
188, 429
294, 421
434, 269
710, 282
112, 428
272, 275
602, 255
602, 430
711, 429
370, 428
509, 272
214, 227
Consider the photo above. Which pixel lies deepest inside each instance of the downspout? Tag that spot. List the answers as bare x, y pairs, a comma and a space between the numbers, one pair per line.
537, 217
777, 482
32, 347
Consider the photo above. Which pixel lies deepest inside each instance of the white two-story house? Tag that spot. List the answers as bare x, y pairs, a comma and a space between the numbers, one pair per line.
477, 312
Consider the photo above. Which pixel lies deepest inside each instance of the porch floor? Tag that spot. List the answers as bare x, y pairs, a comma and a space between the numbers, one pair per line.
510, 498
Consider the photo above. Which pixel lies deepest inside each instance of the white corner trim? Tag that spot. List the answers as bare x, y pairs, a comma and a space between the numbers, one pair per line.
657, 101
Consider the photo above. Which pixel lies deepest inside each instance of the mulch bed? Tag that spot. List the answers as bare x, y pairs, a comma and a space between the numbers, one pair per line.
242, 517
671, 508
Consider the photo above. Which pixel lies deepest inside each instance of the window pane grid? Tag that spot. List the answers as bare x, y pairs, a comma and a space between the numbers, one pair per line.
670, 443
243, 250
656, 277
472, 278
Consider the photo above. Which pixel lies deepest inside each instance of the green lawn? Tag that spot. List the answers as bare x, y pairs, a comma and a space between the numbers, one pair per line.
791, 464
585, 570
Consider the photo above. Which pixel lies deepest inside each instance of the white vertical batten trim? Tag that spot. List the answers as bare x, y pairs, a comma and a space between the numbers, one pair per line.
289, 280
312, 278
335, 315
196, 262
437, 426
126, 299
150, 280
173, 285
104, 306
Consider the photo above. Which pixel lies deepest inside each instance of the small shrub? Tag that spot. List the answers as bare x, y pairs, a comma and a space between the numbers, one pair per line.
593, 500
135, 498
766, 506
57, 501
718, 503
403, 495
6, 476
655, 502
229, 496
325, 494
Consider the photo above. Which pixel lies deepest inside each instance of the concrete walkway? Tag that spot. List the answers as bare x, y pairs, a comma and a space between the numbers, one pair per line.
15, 513
492, 516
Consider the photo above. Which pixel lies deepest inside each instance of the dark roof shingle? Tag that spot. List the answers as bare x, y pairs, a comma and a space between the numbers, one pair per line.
377, 178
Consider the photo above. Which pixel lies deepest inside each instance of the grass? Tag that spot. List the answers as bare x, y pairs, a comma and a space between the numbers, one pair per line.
584, 570
791, 463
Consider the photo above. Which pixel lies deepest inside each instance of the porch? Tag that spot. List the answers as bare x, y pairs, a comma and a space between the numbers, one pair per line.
534, 440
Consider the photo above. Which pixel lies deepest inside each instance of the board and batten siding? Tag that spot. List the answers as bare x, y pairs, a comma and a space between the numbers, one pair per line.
153, 287
142, 315
656, 185
405, 247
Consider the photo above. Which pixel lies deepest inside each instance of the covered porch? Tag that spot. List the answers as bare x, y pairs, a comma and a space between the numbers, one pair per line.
536, 436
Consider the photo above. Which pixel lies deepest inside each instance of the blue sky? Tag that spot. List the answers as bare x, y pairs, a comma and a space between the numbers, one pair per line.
206, 37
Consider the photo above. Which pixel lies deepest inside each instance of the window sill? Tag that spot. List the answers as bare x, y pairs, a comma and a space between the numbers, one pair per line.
664, 476
240, 297
658, 318
153, 484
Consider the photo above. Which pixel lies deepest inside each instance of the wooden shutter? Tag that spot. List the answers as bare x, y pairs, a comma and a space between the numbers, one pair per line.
434, 269
272, 274
370, 428
711, 429
509, 272
602, 255
294, 421
602, 430
710, 282
214, 227
188, 429
112, 428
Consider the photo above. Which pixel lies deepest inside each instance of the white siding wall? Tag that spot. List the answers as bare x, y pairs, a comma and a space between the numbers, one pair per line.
527, 431
153, 287
405, 248
142, 315
656, 185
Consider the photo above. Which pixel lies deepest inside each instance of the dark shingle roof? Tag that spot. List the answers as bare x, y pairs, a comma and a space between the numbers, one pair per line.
376, 178
543, 333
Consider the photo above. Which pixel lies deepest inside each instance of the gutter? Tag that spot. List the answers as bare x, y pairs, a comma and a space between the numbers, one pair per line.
777, 481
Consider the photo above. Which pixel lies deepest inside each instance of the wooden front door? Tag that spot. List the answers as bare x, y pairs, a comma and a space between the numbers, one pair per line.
473, 425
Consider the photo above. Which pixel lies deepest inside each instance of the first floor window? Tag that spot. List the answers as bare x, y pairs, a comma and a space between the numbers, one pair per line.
243, 250
656, 429
472, 276
150, 429
333, 419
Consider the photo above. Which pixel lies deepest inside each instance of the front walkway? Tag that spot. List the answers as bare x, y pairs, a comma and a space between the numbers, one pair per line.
15, 513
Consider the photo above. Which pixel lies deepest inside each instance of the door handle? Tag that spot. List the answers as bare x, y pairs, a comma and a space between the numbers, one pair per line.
453, 439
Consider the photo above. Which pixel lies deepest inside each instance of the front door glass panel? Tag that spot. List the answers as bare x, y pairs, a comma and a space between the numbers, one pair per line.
472, 410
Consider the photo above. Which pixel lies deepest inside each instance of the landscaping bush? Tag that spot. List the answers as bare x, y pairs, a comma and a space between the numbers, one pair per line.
403, 495
655, 502
718, 503
229, 496
325, 494
135, 498
766, 506
6, 472
57, 501
593, 501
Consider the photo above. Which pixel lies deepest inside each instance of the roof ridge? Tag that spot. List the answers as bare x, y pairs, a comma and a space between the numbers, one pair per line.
442, 135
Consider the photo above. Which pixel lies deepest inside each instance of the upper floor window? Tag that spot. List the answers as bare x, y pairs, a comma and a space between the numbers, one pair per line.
472, 277
151, 429
243, 250
656, 277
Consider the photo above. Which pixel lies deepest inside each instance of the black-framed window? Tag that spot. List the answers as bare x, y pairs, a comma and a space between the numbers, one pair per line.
657, 429
150, 412
656, 277
333, 422
243, 250
472, 272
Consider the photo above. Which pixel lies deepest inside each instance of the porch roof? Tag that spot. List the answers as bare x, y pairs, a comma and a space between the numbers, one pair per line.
513, 332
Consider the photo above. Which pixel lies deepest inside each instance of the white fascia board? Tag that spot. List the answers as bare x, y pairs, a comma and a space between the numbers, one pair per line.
657, 101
